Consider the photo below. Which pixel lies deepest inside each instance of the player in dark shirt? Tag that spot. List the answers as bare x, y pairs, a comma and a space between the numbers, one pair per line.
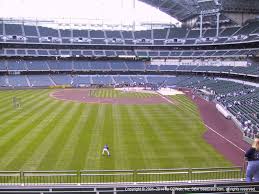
252, 156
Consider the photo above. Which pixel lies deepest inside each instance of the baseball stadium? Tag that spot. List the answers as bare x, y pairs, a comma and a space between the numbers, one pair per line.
115, 106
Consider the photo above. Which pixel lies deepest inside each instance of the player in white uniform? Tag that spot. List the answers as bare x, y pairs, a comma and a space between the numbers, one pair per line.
106, 149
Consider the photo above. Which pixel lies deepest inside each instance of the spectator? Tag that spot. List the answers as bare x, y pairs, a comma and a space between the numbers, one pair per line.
252, 156
229, 105
246, 131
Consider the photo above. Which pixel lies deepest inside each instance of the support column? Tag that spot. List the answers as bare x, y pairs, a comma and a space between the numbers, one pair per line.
218, 14
201, 17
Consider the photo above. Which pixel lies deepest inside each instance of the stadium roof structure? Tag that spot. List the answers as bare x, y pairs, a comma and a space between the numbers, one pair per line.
183, 10
179, 9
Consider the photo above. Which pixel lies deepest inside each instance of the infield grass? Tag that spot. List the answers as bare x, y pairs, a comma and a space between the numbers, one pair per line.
110, 93
48, 134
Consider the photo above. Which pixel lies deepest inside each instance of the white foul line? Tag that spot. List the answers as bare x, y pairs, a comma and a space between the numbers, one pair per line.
209, 128
165, 98
224, 138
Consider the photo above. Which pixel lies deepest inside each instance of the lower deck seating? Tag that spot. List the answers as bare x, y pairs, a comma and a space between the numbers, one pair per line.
157, 80
102, 79
78, 80
61, 79
40, 80
139, 80
3, 81
18, 81
240, 100
122, 79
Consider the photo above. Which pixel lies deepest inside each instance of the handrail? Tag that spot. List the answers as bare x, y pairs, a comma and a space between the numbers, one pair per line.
121, 176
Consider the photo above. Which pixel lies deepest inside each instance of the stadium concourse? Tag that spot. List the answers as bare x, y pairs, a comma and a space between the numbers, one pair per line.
143, 90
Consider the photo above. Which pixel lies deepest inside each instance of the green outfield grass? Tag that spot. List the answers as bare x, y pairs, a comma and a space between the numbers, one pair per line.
48, 134
109, 93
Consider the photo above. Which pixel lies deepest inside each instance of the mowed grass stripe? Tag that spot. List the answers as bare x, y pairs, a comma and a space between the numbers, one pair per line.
14, 131
183, 122
29, 144
179, 98
7, 96
119, 149
152, 139
141, 135
190, 113
15, 143
133, 146
107, 138
141, 95
184, 101
12, 93
187, 102
47, 139
108, 93
118, 94
176, 119
81, 147
183, 132
63, 129
12, 119
206, 151
194, 129
190, 119
99, 93
103, 93
93, 93
161, 136
148, 95
67, 152
9, 114
95, 148
6, 106
112, 93
163, 121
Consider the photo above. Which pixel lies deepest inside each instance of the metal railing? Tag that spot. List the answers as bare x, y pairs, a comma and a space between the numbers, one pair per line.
10, 177
188, 175
106, 176
219, 174
46, 177
163, 175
